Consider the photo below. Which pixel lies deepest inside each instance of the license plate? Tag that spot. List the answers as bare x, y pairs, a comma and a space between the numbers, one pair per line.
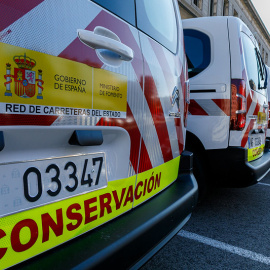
254, 141
24, 185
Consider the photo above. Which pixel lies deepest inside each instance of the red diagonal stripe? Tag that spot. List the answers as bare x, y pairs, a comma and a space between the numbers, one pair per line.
145, 163
124, 33
224, 105
154, 104
170, 81
249, 128
249, 101
79, 52
12, 10
26, 120
153, 100
257, 108
130, 125
195, 109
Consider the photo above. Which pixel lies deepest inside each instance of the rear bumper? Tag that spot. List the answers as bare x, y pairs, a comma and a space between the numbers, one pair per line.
230, 168
131, 239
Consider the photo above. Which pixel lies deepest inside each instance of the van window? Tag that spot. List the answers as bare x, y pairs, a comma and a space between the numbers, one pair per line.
123, 9
254, 64
157, 19
198, 51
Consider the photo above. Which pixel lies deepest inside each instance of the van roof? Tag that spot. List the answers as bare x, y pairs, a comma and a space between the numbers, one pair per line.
212, 19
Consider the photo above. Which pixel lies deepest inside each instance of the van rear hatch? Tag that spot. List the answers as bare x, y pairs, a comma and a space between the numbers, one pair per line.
249, 104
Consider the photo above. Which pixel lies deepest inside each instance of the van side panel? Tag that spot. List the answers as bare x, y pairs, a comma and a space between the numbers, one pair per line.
209, 110
256, 100
231, 158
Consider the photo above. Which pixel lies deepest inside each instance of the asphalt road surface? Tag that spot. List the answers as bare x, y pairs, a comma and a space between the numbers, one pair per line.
230, 229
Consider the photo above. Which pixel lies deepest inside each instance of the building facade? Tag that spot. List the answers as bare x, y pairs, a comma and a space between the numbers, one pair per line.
243, 9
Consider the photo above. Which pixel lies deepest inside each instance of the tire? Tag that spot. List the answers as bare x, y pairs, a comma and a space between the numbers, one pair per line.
200, 174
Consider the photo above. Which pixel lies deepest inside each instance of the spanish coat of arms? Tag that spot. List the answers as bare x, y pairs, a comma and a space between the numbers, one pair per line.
24, 78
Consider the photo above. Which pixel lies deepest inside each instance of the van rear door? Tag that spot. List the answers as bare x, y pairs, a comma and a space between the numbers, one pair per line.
71, 77
165, 92
251, 133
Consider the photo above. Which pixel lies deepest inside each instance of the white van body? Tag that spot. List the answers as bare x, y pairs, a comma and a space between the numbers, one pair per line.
228, 110
92, 133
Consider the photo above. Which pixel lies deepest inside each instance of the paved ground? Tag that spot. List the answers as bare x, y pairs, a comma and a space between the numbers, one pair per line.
229, 230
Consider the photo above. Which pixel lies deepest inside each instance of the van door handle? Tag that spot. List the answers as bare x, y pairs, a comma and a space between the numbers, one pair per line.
104, 39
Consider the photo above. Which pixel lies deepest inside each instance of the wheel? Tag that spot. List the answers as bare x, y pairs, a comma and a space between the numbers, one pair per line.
200, 174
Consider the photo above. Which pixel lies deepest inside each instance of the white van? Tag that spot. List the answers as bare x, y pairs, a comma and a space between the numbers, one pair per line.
92, 132
228, 111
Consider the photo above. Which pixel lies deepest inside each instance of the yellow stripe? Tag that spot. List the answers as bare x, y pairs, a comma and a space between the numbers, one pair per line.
26, 234
255, 153
153, 181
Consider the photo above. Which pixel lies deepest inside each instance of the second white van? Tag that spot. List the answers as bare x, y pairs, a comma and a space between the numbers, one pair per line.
228, 112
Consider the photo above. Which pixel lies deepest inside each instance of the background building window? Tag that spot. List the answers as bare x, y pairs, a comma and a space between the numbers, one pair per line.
213, 8
226, 8
198, 3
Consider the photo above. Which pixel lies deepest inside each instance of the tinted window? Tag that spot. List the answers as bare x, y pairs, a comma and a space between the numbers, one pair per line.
122, 8
198, 51
254, 65
157, 19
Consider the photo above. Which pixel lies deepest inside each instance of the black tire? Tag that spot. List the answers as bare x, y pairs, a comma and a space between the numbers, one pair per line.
200, 173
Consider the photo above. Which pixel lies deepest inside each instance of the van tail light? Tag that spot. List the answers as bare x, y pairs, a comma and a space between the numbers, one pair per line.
187, 101
238, 104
